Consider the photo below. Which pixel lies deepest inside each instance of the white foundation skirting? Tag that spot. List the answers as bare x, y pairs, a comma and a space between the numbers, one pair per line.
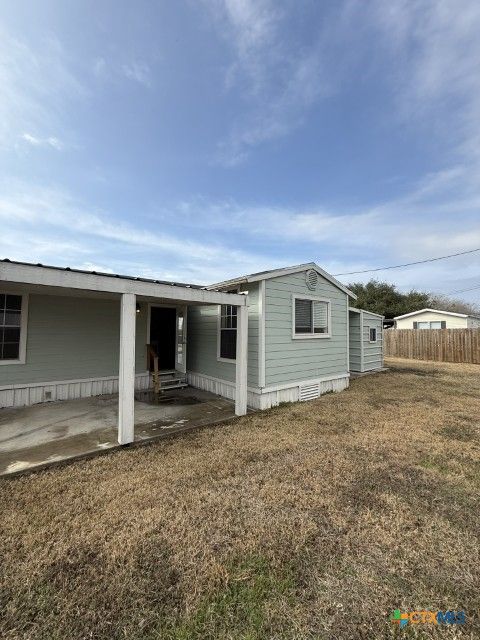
271, 397
26, 395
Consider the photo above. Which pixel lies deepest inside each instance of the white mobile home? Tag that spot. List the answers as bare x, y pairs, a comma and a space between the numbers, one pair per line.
436, 319
262, 339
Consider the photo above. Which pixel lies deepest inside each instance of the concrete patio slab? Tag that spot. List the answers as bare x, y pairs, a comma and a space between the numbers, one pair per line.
32, 437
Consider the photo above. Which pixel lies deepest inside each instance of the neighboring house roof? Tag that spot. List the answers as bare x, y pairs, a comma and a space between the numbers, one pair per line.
357, 310
446, 313
275, 273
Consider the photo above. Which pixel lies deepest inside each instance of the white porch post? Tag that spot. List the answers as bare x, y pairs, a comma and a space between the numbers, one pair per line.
242, 361
126, 377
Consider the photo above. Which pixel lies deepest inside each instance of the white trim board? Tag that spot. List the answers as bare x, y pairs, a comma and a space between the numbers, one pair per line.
446, 313
261, 335
57, 277
277, 273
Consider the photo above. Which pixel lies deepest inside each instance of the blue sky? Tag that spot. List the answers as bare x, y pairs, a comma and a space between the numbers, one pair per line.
200, 140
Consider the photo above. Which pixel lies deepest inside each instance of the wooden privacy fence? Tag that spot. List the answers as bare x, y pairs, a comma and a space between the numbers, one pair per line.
443, 345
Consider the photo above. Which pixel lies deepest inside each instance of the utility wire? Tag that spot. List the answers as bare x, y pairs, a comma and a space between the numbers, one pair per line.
408, 264
463, 290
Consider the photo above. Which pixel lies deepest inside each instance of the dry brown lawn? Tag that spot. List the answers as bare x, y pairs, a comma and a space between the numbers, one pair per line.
312, 520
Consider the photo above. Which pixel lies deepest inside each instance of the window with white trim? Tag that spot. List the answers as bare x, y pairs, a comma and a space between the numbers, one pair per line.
10, 327
372, 334
311, 317
434, 324
228, 332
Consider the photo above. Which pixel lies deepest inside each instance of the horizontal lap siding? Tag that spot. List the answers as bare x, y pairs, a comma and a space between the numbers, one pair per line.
355, 342
202, 336
295, 360
71, 338
372, 351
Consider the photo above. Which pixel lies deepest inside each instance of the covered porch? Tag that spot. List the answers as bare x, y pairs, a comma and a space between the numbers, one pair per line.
146, 316
36, 436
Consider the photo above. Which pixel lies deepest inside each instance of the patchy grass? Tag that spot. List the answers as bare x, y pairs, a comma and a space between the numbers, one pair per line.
313, 520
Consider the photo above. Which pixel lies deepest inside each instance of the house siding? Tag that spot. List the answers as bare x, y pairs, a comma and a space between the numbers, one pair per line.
452, 322
473, 323
355, 342
372, 351
202, 337
293, 360
71, 338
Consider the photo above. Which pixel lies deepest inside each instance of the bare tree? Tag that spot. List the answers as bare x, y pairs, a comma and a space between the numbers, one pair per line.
444, 303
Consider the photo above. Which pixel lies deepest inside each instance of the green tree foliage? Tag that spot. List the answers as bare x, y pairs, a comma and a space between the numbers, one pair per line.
385, 299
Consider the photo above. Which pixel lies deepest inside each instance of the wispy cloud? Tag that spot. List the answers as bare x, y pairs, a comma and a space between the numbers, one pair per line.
411, 227
37, 90
34, 141
279, 80
138, 72
48, 224
112, 70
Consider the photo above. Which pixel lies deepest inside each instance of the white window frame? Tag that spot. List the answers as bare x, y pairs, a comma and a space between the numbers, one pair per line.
23, 329
219, 327
423, 322
312, 336
376, 334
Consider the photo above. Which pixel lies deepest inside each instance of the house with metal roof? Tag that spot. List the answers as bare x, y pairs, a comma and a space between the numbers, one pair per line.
257, 340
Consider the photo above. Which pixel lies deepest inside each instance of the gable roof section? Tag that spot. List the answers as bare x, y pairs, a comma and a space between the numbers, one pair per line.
276, 273
447, 313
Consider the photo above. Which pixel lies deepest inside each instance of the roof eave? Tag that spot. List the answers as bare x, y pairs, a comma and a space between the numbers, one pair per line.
279, 272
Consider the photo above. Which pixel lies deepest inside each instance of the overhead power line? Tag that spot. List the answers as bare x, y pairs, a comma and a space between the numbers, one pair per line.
463, 290
408, 264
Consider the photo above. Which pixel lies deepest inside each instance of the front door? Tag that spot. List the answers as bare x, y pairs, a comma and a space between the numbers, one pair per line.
163, 336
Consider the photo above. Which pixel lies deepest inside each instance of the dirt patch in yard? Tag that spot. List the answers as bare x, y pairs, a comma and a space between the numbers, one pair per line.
313, 520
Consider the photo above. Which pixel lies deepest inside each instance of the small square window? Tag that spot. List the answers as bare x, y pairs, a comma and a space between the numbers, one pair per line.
373, 334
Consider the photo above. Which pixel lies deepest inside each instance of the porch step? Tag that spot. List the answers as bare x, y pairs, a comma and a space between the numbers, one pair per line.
172, 380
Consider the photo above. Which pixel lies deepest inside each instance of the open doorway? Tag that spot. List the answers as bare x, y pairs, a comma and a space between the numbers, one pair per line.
163, 337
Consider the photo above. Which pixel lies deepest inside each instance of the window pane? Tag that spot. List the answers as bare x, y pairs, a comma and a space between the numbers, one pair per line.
11, 335
320, 317
3, 297
303, 316
10, 351
435, 325
228, 343
12, 318
14, 302
423, 325
373, 335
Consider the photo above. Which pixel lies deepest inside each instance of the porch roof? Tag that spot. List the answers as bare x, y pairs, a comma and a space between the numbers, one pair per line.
24, 273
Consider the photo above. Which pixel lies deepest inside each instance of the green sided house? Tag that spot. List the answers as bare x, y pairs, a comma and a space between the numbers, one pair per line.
270, 337
298, 345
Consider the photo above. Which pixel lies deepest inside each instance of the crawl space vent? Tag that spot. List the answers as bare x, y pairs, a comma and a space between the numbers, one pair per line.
311, 278
309, 391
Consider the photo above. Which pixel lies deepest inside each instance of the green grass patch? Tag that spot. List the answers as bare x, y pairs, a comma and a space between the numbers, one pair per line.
240, 608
